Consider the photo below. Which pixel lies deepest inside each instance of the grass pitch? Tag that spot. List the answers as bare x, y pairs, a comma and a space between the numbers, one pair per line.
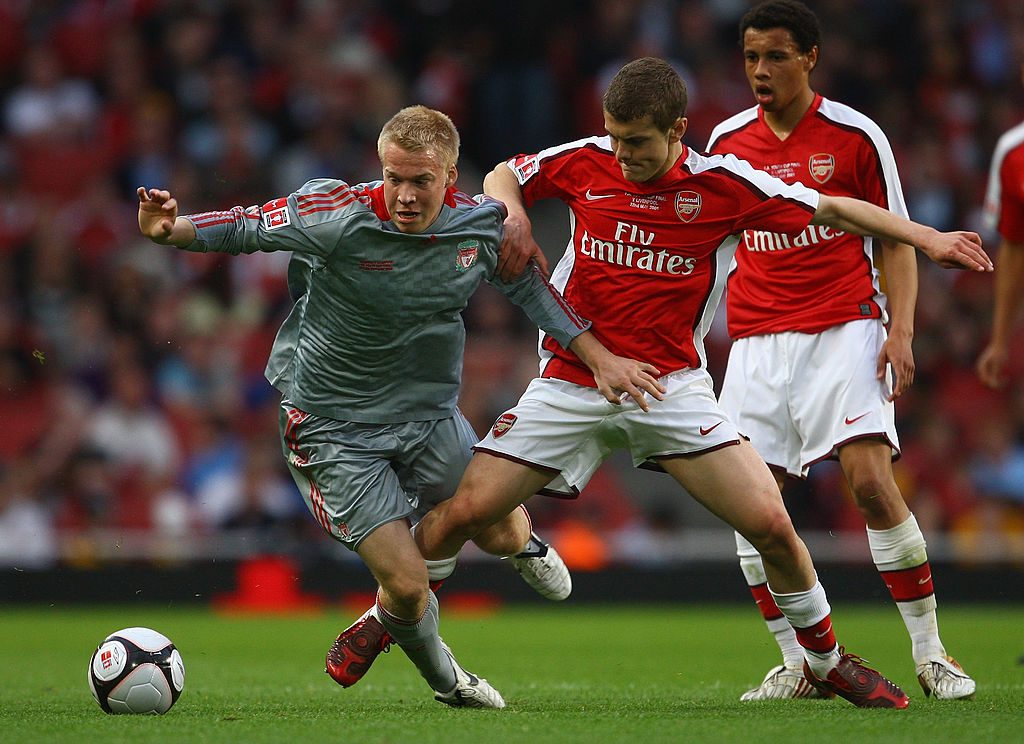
570, 673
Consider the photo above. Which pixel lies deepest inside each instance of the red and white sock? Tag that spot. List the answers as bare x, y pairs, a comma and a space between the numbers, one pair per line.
901, 558
778, 625
810, 615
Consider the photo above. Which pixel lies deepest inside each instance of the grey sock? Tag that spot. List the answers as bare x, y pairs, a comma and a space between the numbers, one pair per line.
420, 641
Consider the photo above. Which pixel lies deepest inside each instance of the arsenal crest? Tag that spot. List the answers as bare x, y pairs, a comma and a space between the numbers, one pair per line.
821, 166
468, 250
503, 424
687, 205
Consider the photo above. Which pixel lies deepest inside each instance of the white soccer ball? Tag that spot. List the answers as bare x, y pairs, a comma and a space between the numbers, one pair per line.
136, 670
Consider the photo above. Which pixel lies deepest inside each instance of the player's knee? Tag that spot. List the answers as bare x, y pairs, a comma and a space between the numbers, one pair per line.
465, 518
774, 534
406, 592
875, 495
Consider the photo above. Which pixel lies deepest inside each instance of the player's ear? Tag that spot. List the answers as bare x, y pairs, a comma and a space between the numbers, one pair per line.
675, 134
453, 176
811, 58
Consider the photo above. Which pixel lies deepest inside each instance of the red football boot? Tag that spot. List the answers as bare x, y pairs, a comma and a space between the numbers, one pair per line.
354, 651
861, 685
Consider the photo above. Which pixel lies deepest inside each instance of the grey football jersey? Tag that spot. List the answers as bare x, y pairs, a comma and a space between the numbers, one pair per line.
376, 332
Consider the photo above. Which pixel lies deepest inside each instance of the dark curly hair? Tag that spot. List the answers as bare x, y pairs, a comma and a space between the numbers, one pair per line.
791, 15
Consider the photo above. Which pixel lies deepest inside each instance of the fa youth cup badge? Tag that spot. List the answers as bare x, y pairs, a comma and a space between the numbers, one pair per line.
465, 258
687, 205
821, 166
525, 166
275, 214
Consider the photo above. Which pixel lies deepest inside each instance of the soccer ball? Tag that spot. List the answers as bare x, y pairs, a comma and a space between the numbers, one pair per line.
136, 670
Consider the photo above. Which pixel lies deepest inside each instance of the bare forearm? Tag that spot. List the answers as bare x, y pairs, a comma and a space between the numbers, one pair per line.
953, 250
1009, 291
618, 377
900, 264
862, 218
587, 347
182, 233
501, 184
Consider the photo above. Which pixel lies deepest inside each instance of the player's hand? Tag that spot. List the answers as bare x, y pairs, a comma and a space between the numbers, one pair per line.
957, 250
157, 212
518, 247
897, 352
991, 366
619, 378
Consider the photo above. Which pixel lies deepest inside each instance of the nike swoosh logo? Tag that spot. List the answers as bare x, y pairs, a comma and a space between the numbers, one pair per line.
855, 419
704, 432
595, 197
825, 632
925, 580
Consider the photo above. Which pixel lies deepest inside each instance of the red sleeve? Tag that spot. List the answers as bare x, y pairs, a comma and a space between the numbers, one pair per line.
774, 213
542, 177
1011, 214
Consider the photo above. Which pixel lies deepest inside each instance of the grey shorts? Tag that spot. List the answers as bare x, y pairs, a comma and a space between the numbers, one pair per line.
356, 477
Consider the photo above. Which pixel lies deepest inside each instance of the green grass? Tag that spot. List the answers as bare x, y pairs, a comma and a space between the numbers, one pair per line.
571, 673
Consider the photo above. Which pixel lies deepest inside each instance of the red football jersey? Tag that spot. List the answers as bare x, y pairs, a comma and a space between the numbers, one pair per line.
821, 277
647, 262
1004, 199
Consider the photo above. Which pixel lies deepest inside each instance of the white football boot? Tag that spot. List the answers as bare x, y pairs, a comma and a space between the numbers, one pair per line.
542, 568
782, 683
944, 679
470, 691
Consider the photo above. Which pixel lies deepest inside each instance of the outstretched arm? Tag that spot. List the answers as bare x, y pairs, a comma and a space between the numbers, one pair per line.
159, 221
952, 250
991, 364
517, 243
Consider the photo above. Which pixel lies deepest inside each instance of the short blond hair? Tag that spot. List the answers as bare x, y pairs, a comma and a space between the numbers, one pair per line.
418, 128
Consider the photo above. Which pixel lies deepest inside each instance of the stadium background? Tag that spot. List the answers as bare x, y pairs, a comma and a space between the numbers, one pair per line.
137, 434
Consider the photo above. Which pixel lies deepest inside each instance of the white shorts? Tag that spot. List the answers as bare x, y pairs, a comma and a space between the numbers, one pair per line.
570, 429
801, 396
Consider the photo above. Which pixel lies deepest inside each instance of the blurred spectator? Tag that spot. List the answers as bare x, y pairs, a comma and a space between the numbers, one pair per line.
88, 496
232, 100
997, 470
27, 535
258, 495
47, 103
128, 430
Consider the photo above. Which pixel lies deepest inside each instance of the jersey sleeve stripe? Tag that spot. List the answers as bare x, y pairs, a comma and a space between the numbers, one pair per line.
334, 193
761, 193
851, 120
575, 317
326, 208
1007, 143
312, 208
732, 125
598, 144
211, 219
345, 198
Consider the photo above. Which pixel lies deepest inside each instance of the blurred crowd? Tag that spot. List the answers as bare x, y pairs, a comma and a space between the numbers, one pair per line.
132, 399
